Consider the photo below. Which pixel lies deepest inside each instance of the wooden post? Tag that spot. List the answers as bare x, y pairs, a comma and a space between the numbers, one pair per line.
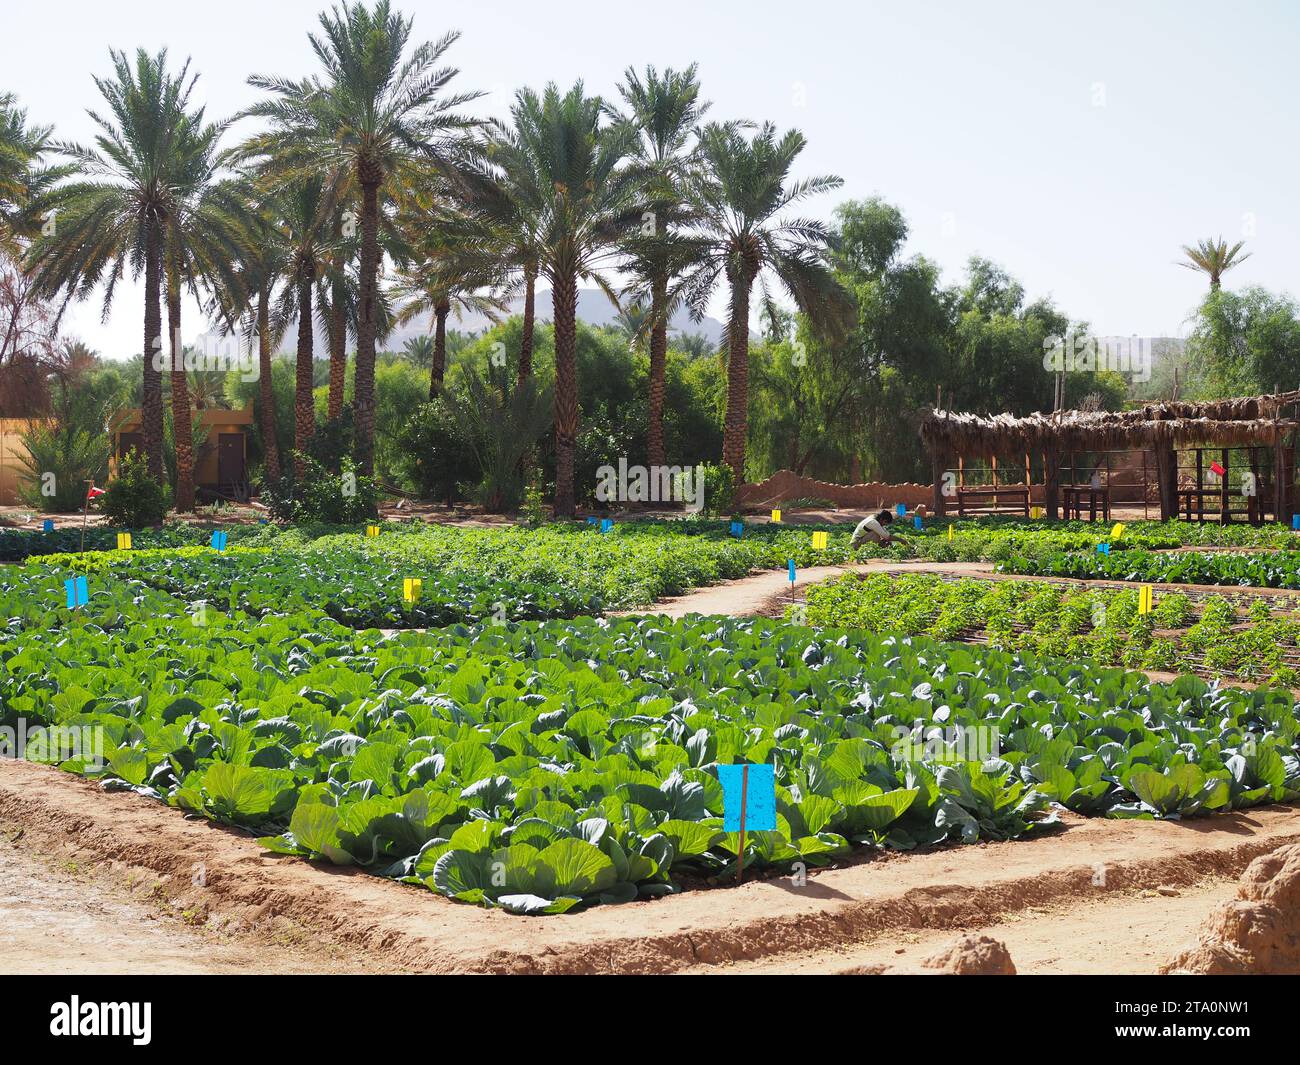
744, 801
937, 471
1051, 485
1224, 517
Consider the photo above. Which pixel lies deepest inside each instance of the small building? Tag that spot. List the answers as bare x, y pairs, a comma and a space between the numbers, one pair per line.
220, 458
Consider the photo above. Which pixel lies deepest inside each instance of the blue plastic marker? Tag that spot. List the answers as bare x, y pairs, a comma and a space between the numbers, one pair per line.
606, 524
219, 540
737, 528
748, 802
901, 510
47, 525
1295, 521
1103, 549
916, 521
792, 571
77, 592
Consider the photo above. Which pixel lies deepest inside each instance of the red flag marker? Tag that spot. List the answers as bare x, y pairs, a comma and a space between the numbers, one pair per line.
1217, 468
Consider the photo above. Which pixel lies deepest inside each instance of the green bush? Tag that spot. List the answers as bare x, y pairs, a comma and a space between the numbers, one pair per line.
434, 454
322, 497
719, 487
133, 499
60, 460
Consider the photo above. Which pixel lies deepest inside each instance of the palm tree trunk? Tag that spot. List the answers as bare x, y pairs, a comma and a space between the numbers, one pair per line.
151, 408
736, 425
530, 315
270, 446
439, 370
565, 313
658, 360
338, 349
304, 406
182, 427
363, 388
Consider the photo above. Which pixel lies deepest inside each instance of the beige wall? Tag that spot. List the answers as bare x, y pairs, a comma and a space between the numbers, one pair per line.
12, 452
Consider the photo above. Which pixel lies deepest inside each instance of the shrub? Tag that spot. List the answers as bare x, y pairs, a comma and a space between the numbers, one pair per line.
434, 453
322, 497
60, 460
133, 499
719, 487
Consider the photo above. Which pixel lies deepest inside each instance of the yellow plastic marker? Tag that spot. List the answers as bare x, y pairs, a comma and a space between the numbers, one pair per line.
124, 541
372, 530
411, 589
1145, 596
776, 516
950, 534
820, 540
1118, 531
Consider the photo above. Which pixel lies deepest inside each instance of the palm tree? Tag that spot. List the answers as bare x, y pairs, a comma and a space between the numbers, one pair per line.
27, 188
743, 232
419, 350
116, 219
589, 200
377, 115
302, 217
445, 270
204, 233
260, 266
1215, 258
665, 110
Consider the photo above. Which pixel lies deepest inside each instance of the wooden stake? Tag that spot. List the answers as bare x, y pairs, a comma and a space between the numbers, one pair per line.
744, 800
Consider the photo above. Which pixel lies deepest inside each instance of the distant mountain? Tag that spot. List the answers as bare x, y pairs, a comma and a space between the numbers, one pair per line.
594, 308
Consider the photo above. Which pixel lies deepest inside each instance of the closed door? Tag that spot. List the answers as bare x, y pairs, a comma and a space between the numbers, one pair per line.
230, 459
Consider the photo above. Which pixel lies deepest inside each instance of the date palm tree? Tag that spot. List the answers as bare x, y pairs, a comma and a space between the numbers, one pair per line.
378, 112
665, 109
744, 233
1215, 258
444, 269
588, 197
203, 236
114, 220
28, 187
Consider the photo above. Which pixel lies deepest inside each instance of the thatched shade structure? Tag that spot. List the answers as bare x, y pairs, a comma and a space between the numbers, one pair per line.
1253, 421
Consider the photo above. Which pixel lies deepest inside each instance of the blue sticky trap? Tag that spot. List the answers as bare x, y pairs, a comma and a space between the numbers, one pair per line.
1295, 521
47, 525
760, 797
592, 521
1103, 549
219, 540
916, 521
606, 524
901, 510
792, 571
737, 528
77, 592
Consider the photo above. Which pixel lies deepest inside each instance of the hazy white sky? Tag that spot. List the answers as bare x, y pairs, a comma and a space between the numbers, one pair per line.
1078, 145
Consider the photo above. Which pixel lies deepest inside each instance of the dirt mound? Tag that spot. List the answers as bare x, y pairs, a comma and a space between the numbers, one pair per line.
973, 956
1257, 932
967, 956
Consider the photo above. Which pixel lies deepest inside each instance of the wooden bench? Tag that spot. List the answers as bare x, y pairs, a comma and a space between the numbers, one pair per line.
994, 494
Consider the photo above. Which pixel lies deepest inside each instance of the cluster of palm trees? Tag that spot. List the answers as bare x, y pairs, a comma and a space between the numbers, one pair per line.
376, 160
